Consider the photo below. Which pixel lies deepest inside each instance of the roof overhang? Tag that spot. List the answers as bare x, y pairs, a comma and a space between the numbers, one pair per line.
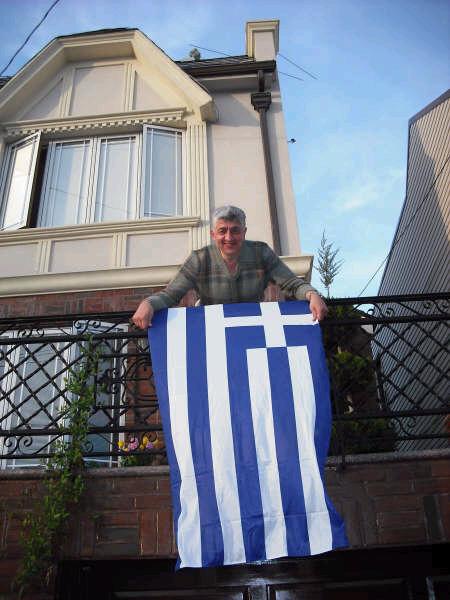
236, 77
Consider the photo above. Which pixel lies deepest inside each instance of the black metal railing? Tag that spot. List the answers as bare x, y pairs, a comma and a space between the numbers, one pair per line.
387, 358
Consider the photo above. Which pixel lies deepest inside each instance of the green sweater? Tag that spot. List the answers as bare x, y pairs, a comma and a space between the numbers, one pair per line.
206, 272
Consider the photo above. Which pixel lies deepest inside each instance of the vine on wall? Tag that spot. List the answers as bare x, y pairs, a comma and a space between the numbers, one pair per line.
42, 528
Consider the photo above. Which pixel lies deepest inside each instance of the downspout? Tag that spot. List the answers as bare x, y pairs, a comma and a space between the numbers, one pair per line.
261, 100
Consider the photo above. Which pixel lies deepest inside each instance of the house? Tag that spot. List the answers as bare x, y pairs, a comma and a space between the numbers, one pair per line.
414, 371
113, 156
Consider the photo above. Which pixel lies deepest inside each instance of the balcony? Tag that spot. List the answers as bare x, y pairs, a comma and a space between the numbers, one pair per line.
387, 472
387, 360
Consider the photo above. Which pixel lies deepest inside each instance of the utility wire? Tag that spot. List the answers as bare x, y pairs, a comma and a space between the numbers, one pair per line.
289, 75
29, 35
238, 60
394, 244
214, 51
298, 66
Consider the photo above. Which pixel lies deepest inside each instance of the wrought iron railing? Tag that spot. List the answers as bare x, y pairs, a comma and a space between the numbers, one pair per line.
387, 358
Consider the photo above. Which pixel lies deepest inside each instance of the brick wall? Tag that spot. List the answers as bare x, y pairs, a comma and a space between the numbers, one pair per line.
88, 302
384, 499
71, 303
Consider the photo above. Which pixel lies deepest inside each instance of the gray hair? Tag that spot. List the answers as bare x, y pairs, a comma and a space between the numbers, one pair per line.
228, 213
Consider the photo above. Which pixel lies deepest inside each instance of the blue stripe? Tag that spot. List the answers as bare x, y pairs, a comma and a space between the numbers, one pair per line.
287, 453
238, 339
246, 309
157, 337
297, 307
200, 436
311, 337
322, 430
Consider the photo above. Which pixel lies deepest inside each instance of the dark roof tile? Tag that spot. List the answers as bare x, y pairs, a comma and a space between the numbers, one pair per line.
211, 62
4, 80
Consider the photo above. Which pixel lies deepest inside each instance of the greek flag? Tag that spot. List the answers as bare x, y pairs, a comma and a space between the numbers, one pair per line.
244, 398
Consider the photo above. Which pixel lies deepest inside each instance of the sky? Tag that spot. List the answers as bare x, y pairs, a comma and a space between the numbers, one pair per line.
376, 64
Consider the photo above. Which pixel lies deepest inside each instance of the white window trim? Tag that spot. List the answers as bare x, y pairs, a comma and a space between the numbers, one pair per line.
6, 175
52, 164
181, 166
95, 172
94, 148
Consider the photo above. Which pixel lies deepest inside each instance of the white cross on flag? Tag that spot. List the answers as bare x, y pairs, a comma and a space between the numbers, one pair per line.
244, 397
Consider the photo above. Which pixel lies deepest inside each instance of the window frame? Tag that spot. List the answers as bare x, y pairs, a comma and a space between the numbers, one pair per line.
50, 165
95, 172
178, 168
6, 177
38, 202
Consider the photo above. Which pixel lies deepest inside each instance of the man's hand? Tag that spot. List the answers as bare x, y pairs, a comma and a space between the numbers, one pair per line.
143, 316
317, 306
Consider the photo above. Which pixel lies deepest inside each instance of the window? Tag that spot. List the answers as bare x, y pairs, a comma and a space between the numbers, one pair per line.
92, 180
16, 182
33, 393
162, 184
30, 399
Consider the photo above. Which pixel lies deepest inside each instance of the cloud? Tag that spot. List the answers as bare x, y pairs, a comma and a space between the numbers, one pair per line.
368, 190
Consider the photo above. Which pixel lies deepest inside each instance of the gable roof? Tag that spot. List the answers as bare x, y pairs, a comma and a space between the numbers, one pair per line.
100, 44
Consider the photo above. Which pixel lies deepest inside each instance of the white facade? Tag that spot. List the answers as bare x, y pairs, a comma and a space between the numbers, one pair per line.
113, 158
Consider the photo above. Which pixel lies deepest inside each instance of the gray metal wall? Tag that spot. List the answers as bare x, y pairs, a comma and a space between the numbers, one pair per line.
420, 255
414, 369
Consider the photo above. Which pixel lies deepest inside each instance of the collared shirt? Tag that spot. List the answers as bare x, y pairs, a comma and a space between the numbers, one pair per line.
205, 271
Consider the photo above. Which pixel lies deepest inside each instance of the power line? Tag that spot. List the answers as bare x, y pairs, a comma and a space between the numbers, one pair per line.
298, 66
214, 51
30, 34
394, 244
238, 60
289, 75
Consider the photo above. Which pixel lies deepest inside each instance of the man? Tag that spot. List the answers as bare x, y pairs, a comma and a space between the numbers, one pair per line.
231, 269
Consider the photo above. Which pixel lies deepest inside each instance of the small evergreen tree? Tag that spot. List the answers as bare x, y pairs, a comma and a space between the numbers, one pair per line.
329, 264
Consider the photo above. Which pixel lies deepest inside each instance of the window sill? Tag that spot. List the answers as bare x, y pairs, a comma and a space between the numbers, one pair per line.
95, 256
165, 224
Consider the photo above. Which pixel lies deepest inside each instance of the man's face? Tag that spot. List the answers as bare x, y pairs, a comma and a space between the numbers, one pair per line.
228, 236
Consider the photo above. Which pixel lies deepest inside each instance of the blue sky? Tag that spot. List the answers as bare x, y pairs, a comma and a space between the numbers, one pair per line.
377, 62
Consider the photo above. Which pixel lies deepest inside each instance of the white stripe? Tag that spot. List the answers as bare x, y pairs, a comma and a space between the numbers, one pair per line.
273, 325
263, 428
318, 519
222, 448
188, 526
254, 320
272, 321
306, 319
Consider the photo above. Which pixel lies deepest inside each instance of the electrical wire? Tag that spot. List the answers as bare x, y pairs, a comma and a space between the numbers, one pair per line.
231, 56
239, 60
399, 237
289, 75
298, 66
29, 35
